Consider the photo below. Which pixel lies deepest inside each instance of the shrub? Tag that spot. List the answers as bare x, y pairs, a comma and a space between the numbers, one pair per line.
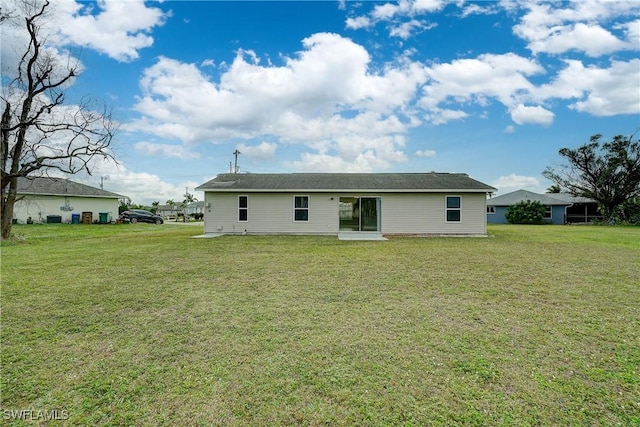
526, 212
631, 211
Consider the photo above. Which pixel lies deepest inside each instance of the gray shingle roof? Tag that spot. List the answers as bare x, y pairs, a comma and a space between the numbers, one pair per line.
524, 195
570, 198
60, 187
383, 182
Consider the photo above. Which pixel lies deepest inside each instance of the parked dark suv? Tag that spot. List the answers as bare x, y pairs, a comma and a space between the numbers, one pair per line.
139, 215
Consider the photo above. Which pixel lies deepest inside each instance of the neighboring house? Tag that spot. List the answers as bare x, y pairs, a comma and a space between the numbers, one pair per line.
44, 199
177, 210
561, 208
582, 209
194, 208
330, 203
168, 211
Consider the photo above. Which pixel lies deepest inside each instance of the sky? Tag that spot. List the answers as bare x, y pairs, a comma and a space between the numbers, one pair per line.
489, 88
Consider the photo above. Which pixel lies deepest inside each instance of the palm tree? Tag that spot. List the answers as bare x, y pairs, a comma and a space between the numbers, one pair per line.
171, 204
188, 199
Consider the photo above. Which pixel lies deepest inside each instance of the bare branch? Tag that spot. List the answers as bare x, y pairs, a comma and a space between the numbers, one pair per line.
38, 132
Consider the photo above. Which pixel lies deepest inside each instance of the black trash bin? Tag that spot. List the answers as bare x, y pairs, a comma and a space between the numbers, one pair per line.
54, 219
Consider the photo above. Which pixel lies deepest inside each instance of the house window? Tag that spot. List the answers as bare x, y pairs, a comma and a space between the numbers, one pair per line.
491, 209
547, 212
454, 211
243, 208
301, 208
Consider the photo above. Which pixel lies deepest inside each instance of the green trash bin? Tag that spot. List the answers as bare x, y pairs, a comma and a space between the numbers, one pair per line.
104, 217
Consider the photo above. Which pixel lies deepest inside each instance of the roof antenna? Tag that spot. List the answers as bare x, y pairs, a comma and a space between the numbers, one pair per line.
235, 153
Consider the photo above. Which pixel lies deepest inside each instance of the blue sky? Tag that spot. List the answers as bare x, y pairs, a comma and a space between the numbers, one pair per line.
492, 88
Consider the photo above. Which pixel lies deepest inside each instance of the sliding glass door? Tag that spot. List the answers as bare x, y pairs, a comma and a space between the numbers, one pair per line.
359, 213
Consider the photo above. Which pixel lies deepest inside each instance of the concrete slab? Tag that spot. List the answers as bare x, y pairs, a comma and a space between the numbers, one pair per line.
361, 236
207, 235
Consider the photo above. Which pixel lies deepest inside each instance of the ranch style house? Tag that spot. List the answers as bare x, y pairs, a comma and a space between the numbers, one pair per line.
47, 199
335, 203
561, 208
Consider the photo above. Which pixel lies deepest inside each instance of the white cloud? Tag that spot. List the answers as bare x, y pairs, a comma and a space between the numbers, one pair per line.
512, 182
404, 17
262, 151
117, 28
386, 11
598, 91
611, 91
439, 116
427, 5
366, 161
407, 29
477, 81
503, 77
425, 153
15, 40
509, 129
632, 31
536, 115
410, 8
166, 150
558, 28
326, 98
358, 23
477, 9
591, 39
140, 187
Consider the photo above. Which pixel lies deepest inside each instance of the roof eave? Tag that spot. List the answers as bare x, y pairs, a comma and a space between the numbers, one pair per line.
347, 190
29, 193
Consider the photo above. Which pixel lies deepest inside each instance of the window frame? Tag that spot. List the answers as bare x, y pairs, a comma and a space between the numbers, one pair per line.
491, 210
548, 209
448, 209
243, 209
300, 209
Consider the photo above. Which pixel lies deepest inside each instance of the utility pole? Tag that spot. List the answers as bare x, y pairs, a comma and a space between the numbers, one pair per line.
236, 153
102, 180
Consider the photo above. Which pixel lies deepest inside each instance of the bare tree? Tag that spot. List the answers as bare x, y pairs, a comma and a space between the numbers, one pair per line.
38, 132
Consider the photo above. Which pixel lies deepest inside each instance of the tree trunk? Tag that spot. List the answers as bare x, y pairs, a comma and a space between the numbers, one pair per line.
8, 202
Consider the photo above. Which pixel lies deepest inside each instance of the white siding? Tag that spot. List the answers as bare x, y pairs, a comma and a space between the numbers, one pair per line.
270, 213
426, 214
410, 213
39, 207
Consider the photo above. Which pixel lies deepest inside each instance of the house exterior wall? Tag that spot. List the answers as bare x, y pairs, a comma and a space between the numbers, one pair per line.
499, 217
400, 213
425, 213
557, 215
39, 207
270, 213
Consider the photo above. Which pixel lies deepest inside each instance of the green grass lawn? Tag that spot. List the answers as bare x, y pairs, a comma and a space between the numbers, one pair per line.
142, 325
